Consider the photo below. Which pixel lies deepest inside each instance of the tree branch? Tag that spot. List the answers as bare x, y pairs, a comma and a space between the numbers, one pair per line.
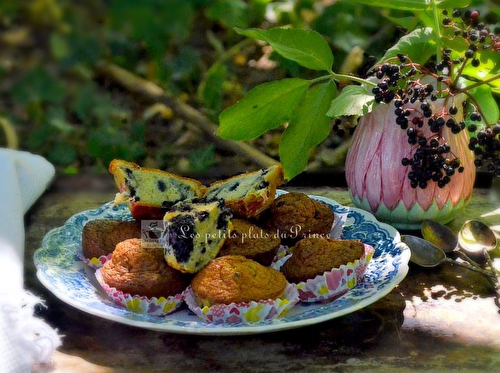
152, 92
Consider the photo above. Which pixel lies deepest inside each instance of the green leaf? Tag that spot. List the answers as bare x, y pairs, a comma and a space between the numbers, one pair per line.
229, 13
414, 5
202, 159
211, 88
447, 4
487, 103
308, 127
62, 153
265, 107
306, 47
56, 116
59, 46
38, 85
353, 100
419, 45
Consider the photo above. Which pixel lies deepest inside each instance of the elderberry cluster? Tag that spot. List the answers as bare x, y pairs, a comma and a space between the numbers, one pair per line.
403, 83
431, 158
486, 147
476, 33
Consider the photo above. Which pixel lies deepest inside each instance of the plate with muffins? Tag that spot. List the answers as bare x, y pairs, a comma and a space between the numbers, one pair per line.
239, 256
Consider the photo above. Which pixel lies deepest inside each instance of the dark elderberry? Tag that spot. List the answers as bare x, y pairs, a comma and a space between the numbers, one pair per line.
475, 117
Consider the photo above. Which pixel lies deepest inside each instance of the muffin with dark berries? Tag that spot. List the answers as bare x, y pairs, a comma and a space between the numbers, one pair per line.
194, 233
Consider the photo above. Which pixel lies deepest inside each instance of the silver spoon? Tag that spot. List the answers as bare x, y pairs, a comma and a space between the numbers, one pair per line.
440, 235
475, 236
444, 238
426, 254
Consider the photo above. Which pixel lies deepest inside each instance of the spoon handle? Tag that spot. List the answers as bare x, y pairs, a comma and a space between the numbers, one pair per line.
467, 258
495, 282
467, 265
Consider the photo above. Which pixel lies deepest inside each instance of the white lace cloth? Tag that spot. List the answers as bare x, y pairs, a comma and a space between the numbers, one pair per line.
24, 339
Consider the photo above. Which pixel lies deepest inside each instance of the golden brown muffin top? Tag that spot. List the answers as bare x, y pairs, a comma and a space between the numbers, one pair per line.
142, 270
296, 215
246, 239
316, 255
296, 205
134, 258
233, 278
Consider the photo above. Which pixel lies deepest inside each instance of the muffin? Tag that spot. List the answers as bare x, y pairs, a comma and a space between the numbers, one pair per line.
295, 216
250, 241
101, 236
151, 192
195, 232
248, 194
314, 256
137, 270
234, 279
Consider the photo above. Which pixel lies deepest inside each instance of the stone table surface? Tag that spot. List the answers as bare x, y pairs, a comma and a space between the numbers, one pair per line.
440, 319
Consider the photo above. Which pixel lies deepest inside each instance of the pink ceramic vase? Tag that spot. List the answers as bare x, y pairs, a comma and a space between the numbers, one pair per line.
378, 182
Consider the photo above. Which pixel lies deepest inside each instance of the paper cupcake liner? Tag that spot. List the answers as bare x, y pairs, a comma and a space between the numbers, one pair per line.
338, 224
336, 282
93, 262
152, 306
245, 312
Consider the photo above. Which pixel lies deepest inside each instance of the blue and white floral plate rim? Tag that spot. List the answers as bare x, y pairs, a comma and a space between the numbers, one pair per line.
64, 274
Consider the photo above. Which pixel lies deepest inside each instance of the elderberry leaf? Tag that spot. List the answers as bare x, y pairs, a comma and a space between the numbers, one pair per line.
486, 102
306, 47
264, 108
308, 126
447, 4
211, 89
414, 5
353, 100
419, 45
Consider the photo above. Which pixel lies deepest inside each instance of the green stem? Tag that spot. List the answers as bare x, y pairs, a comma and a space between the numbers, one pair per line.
353, 78
475, 85
438, 36
487, 124
320, 79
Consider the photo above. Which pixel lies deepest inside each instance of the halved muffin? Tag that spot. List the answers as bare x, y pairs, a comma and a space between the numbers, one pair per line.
250, 193
151, 192
194, 233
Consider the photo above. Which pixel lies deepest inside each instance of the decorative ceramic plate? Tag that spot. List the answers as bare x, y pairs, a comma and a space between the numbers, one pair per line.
65, 275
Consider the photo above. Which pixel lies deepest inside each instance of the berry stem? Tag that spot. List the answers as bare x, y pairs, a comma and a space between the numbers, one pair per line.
438, 36
482, 82
478, 108
320, 79
353, 78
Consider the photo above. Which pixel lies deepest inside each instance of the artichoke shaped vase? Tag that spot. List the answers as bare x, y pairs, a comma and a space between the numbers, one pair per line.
378, 181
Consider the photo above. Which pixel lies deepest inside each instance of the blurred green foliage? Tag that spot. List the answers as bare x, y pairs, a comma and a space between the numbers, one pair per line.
64, 111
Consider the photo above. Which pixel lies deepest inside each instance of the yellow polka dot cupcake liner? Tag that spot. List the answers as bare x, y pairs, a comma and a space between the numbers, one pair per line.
245, 312
151, 306
336, 282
